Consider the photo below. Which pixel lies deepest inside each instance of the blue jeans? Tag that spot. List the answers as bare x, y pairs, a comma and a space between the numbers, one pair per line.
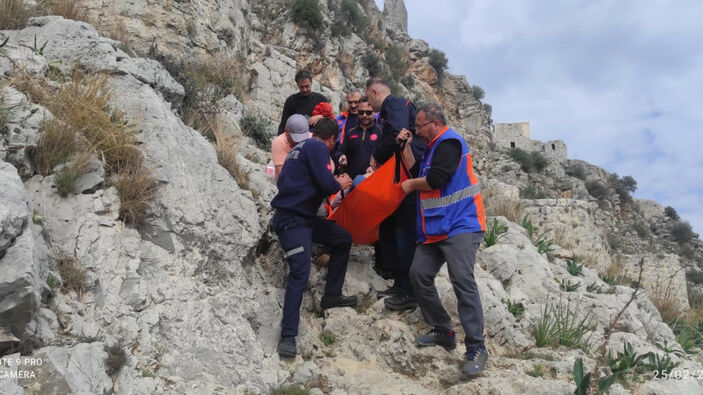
296, 235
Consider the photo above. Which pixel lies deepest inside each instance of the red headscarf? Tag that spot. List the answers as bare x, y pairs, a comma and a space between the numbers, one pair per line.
324, 109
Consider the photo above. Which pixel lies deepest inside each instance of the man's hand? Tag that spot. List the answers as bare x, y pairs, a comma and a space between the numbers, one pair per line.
404, 135
373, 164
342, 160
407, 186
313, 119
370, 170
344, 180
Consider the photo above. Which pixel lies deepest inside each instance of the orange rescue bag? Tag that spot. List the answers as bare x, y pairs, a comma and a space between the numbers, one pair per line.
372, 201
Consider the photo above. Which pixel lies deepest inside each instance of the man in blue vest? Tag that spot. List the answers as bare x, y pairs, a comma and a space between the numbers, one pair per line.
450, 226
306, 179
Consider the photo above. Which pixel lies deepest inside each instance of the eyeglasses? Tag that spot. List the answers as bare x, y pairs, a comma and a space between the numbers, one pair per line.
365, 112
423, 125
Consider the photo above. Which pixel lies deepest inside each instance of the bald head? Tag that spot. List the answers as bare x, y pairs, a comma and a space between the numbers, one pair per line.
377, 90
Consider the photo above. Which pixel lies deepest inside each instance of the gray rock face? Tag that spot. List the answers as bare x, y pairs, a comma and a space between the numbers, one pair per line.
79, 369
22, 124
395, 16
151, 72
23, 261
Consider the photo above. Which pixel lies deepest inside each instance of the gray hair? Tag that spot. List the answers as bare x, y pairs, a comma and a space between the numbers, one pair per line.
354, 91
433, 112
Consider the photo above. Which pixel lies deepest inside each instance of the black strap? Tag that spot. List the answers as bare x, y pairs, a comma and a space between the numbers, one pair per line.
399, 163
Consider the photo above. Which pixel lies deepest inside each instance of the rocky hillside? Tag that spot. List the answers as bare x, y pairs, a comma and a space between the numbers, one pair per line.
134, 219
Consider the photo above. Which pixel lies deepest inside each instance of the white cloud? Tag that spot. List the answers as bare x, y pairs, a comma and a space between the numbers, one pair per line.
619, 82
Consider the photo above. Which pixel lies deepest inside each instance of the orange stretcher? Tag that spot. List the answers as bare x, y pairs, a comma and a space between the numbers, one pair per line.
372, 201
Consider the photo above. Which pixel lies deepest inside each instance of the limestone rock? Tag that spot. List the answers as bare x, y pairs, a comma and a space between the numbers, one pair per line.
395, 16
79, 369
23, 259
22, 126
152, 73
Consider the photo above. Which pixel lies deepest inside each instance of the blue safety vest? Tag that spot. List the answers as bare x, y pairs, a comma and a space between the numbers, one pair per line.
456, 207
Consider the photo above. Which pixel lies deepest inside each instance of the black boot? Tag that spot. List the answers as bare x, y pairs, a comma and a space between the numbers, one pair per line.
329, 302
400, 302
287, 347
438, 337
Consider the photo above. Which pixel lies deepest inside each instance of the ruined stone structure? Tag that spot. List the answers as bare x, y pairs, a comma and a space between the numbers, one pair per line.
517, 135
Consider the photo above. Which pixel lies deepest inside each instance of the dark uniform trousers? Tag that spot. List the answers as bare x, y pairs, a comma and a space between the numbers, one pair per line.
397, 241
296, 235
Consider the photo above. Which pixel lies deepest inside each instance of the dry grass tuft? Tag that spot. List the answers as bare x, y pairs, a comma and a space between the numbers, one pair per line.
506, 207
13, 14
69, 9
35, 87
72, 274
136, 189
668, 306
55, 145
221, 73
227, 152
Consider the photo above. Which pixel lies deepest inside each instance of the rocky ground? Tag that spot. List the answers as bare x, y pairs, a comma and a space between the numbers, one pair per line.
193, 296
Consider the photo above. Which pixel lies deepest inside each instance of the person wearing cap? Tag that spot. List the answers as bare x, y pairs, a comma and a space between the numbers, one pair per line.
297, 130
302, 102
304, 182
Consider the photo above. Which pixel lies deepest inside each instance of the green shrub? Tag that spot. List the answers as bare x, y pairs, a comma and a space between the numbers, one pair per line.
576, 170
488, 109
327, 338
257, 128
526, 223
306, 13
372, 63
593, 287
532, 192
477, 92
581, 379
494, 232
564, 324
574, 268
515, 308
537, 371
438, 61
529, 161
671, 213
116, 359
65, 180
597, 190
353, 16
641, 229
567, 286
681, 232
544, 244
624, 187
396, 62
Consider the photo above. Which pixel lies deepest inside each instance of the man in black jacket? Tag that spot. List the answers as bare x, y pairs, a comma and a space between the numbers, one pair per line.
397, 232
360, 141
302, 102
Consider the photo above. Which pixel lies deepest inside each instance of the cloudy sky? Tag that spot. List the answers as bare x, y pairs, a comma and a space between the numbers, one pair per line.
620, 82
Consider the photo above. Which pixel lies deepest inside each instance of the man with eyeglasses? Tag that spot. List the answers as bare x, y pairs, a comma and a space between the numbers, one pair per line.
360, 142
349, 118
451, 222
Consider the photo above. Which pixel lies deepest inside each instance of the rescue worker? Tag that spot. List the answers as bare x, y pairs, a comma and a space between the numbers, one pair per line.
396, 233
349, 118
450, 226
360, 142
304, 182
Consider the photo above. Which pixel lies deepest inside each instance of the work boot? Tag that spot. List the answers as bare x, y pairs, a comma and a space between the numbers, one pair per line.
286, 347
400, 302
475, 360
329, 302
392, 291
438, 337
